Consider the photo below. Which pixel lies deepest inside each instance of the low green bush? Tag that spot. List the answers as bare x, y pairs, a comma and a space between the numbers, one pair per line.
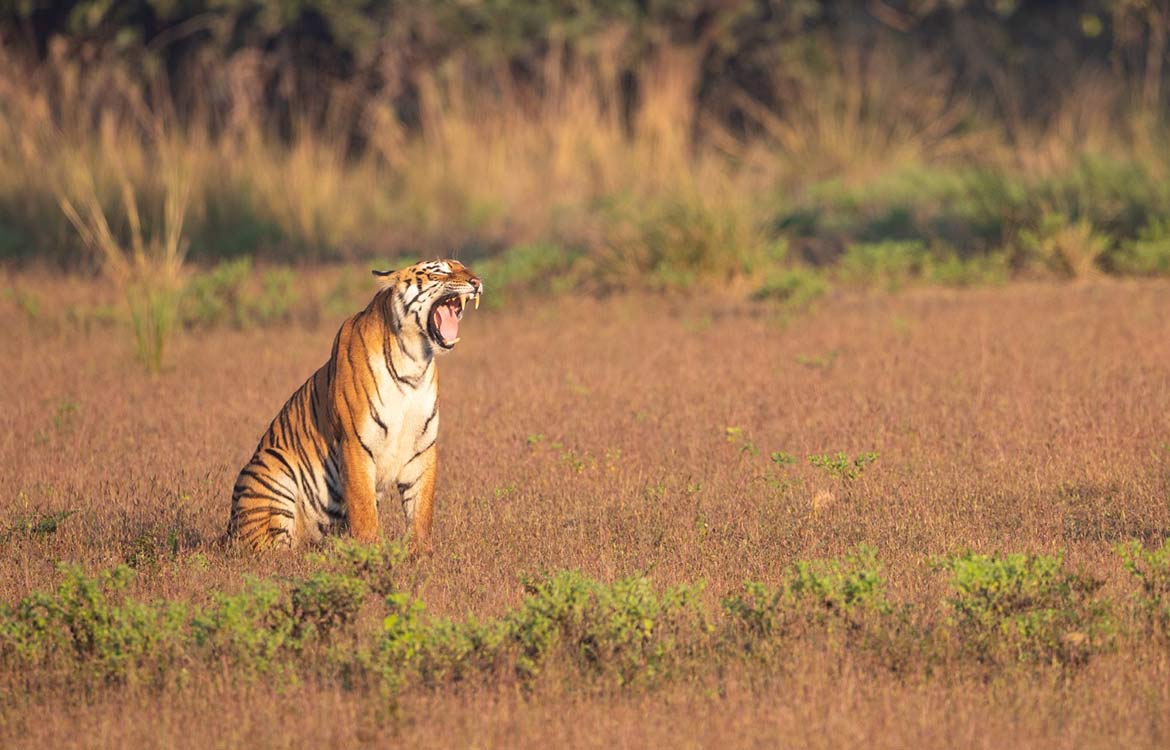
949, 268
676, 241
1003, 612
842, 466
1148, 254
1061, 245
625, 629
1025, 608
890, 264
233, 294
1151, 569
541, 269
836, 596
796, 287
88, 624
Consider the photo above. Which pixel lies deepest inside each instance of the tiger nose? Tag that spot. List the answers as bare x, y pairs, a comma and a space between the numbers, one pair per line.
477, 283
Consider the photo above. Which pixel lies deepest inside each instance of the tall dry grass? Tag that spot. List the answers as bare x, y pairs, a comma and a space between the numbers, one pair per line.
145, 259
655, 187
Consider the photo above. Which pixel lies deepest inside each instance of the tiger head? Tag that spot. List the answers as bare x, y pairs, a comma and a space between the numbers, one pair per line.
429, 297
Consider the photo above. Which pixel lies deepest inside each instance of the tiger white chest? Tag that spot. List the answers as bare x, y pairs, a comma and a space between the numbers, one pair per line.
403, 424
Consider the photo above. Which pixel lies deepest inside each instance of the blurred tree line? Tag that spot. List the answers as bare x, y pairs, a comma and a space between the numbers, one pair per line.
1011, 54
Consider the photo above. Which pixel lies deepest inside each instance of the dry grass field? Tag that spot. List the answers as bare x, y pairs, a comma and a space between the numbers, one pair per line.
624, 436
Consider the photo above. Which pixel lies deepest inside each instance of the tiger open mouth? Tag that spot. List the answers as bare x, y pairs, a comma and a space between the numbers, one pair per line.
445, 317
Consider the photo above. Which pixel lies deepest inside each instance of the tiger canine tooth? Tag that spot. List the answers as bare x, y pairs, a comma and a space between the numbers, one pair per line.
476, 298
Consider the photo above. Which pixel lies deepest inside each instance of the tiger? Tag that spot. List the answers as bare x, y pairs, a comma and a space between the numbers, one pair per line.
364, 426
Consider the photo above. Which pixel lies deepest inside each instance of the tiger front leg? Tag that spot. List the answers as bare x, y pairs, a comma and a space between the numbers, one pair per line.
361, 502
418, 498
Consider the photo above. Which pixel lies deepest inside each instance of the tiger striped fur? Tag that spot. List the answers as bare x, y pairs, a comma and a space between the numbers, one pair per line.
364, 427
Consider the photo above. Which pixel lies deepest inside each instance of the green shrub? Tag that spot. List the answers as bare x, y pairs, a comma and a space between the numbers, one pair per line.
249, 629
951, 269
1151, 568
842, 466
624, 629
216, 297
262, 627
833, 596
271, 305
403, 639
1025, 608
676, 241
89, 622
795, 287
230, 294
1115, 195
154, 312
374, 564
38, 523
323, 603
526, 269
434, 652
890, 264
1073, 248
1148, 254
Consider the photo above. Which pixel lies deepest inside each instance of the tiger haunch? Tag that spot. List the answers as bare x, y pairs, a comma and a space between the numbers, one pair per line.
364, 426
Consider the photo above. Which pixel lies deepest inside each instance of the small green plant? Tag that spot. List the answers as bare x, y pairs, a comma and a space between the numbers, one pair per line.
29, 303
263, 627
229, 294
843, 467
249, 629
216, 297
403, 637
324, 603
374, 564
577, 462
951, 269
1151, 568
777, 479
153, 314
817, 362
796, 287
412, 646
890, 264
834, 595
1148, 254
36, 524
1025, 608
146, 261
89, 622
64, 413
738, 436
678, 239
783, 458
526, 269
625, 629
1069, 248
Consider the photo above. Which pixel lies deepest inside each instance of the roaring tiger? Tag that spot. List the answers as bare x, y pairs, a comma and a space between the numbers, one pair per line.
365, 424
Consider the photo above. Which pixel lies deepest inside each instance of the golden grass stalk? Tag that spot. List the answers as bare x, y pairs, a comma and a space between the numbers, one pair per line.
145, 262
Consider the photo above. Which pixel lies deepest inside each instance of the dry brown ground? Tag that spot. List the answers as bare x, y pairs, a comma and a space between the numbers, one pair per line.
593, 435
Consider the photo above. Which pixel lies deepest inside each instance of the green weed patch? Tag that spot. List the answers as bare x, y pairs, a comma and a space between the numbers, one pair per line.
1010, 611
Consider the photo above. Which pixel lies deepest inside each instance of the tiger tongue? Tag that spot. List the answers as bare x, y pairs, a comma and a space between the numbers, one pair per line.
448, 323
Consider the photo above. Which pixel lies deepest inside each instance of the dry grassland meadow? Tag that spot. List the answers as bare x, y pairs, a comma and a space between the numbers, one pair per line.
663, 448
820, 396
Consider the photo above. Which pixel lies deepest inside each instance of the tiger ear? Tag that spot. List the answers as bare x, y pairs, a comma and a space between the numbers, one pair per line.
384, 278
